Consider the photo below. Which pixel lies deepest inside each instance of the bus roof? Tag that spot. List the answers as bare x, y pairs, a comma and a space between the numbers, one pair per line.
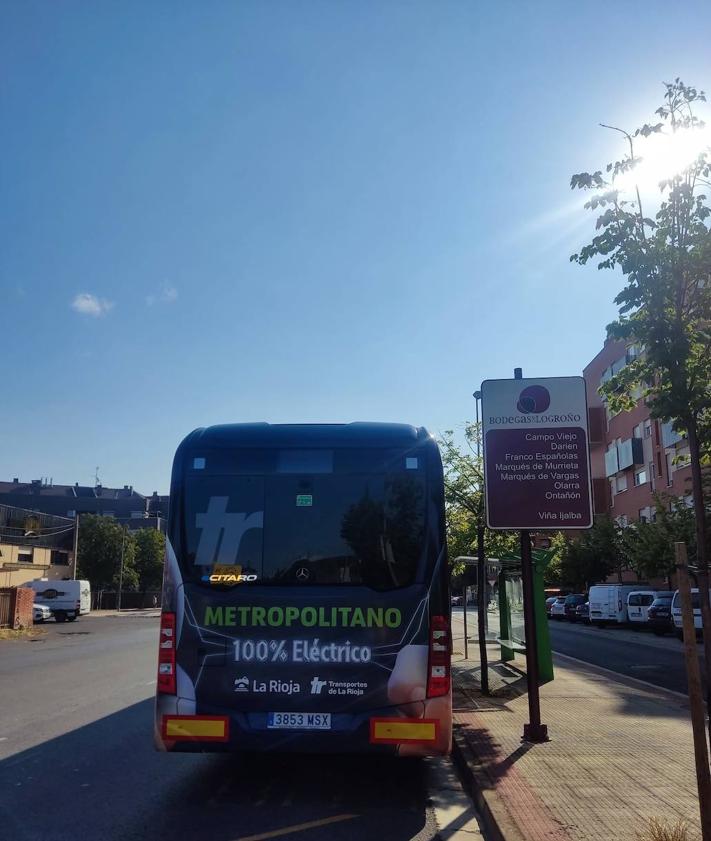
358, 434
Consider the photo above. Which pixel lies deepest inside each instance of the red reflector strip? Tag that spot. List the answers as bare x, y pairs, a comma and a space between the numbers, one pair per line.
166, 655
438, 676
195, 728
399, 731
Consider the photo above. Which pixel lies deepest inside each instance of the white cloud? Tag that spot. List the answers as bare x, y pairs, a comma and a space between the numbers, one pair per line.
167, 295
88, 304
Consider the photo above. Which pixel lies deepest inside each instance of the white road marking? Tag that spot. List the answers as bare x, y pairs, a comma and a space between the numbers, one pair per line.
297, 827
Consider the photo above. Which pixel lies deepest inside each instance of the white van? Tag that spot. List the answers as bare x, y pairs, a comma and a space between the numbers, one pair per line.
638, 603
608, 602
66, 599
676, 612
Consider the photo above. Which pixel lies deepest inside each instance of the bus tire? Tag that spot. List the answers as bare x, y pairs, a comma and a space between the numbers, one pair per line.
71, 617
60, 616
679, 635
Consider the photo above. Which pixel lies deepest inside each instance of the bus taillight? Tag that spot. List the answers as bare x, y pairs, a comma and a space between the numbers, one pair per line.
166, 654
438, 674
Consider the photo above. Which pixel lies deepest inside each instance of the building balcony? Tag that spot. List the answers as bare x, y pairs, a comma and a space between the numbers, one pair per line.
624, 455
669, 436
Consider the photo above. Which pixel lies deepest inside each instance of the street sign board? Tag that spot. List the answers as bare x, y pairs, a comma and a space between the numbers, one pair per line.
536, 456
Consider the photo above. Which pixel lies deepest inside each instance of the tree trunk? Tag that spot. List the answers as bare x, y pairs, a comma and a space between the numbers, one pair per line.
701, 554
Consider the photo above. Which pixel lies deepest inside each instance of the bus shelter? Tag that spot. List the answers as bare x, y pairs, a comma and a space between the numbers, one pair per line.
512, 634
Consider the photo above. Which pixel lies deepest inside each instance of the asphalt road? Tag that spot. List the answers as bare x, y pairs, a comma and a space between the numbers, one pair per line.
627, 651
77, 759
639, 654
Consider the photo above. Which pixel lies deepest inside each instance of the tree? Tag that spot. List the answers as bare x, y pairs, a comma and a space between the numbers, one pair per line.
101, 540
649, 546
464, 499
665, 304
591, 556
150, 553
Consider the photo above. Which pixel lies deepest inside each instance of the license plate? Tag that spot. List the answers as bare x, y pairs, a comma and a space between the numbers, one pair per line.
299, 721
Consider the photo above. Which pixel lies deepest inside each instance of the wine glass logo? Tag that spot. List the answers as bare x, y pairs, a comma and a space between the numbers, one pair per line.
533, 400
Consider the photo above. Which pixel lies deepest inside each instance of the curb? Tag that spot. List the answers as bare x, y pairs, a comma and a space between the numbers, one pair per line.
497, 823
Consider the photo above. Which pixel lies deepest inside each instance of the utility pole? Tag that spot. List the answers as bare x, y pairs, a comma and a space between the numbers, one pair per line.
123, 546
696, 701
75, 549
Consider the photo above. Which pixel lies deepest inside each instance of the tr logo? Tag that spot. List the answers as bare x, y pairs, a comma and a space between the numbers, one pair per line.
317, 685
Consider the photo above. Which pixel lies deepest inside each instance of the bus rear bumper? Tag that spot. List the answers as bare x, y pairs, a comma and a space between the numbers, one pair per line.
379, 731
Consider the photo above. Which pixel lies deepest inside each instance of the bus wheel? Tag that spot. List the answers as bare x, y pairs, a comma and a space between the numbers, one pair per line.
60, 616
71, 617
680, 635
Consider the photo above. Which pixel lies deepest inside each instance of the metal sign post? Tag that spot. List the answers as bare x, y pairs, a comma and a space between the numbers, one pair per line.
534, 731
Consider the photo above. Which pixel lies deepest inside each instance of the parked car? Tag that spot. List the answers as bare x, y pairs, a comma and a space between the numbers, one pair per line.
639, 602
582, 612
659, 617
570, 606
608, 603
457, 601
676, 612
550, 601
40, 613
558, 608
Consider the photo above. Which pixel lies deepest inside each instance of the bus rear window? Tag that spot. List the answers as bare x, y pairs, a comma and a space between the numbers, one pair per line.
296, 529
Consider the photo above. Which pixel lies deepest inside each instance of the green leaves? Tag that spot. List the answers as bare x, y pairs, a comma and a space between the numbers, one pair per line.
587, 181
101, 544
150, 551
590, 557
647, 129
649, 546
665, 259
464, 497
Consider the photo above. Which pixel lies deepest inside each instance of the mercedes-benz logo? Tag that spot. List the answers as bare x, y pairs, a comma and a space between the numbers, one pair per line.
303, 574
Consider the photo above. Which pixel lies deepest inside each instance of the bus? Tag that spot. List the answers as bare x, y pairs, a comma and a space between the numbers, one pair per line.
306, 592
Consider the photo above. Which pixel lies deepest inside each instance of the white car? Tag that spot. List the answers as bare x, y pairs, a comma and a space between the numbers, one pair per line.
558, 608
41, 613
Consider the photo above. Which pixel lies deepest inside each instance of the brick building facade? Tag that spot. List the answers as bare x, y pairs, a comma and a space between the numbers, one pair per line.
632, 456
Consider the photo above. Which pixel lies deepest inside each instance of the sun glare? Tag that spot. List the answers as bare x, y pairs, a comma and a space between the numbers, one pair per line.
662, 157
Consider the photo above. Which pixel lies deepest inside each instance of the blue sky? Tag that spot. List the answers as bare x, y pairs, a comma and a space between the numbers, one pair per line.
300, 211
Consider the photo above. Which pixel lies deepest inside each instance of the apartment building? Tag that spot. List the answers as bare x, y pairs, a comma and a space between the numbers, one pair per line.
126, 505
633, 456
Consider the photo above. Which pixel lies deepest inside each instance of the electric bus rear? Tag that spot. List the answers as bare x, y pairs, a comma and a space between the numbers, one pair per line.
305, 595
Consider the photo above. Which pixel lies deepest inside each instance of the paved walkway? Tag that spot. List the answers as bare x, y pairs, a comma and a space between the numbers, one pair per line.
620, 752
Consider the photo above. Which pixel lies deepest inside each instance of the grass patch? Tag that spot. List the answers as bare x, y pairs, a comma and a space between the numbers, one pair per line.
21, 633
660, 830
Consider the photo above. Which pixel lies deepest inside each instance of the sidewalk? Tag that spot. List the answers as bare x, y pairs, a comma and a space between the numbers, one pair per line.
140, 613
620, 752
